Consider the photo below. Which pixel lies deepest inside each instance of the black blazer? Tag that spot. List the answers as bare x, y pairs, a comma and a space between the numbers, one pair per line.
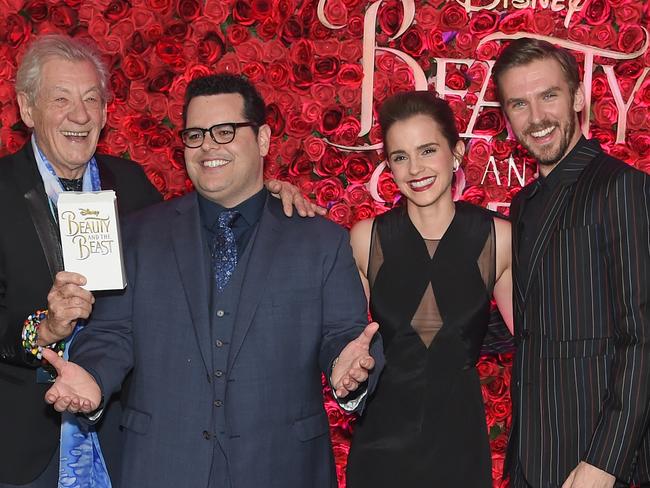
581, 378
30, 256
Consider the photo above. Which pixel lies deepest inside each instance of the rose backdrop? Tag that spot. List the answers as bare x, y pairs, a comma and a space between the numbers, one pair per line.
309, 69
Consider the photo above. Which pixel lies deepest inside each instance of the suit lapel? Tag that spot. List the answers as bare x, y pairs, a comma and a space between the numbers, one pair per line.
31, 186
517, 211
265, 244
106, 176
187, 240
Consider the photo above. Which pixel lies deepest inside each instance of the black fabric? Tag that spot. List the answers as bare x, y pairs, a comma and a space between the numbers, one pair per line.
30, 427
425, 425
72, 185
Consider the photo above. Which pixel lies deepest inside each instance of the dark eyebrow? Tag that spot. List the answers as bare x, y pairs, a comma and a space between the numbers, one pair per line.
550, 90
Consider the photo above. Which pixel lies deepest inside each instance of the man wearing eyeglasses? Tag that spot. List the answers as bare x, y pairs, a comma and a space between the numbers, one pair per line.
231, 314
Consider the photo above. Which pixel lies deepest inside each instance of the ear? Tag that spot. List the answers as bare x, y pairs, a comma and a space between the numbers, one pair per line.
579, 99
25, 109
264, 139
459, 150
104, 114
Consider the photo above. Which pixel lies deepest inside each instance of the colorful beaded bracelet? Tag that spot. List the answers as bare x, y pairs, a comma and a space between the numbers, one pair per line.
30, 336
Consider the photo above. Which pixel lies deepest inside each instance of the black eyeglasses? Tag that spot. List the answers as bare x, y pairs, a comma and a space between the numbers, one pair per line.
193, 137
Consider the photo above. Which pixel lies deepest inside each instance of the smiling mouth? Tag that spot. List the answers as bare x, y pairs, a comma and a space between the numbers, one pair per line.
540, 134
215, 163
69, 134
423, 183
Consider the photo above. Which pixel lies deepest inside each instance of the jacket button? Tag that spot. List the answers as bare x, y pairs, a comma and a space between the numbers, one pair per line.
218, 403
218, 373
218, 343
206, 435
220, 313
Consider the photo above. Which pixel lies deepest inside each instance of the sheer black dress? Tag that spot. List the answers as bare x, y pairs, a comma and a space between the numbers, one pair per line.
425, 425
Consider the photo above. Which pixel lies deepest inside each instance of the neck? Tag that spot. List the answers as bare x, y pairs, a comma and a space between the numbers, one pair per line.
432, 221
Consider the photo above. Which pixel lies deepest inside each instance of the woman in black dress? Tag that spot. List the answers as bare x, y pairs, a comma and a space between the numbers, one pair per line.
430, 268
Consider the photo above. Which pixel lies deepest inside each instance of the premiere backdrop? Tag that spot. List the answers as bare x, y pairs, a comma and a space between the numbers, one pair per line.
323, 68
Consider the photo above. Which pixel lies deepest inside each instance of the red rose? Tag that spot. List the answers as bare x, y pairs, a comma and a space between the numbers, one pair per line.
36, 10
351, 51
273, 170
387, 188
138, 151
336, 12
325, 68
289, 148
487, 50
477, 73
277, 75
390, 17
358, 168
162, 138
487, 367
161, 80
301, 52
350, 97
456, 79
153, 32
544, 22
292, 30
427, 17
287, 100
170, 52
642, 164
640, 142
115, 140
116, 10
162, 6
331, 121
211, 48
301, 76
123, 28
12, 140
596, 12
355, 26
297, 126
580, 33
341, 214
229, 64
188, 10
137, 97
236, 34
328, 191
261, 9
630, 38
242, 13
134, 67
465, 43
501, 149
637, 117
267, 29
254, 71
605, 112
622, 152
250, 50
453, 16
314, 148
357, 194
158, 105
629, 13
176, 30
17, 30
517, 22
331, 164
490, 122
300, 166
474, 194
274, 50
413, 41
362, 212
483, 23
347, 132
216, 11
311, 111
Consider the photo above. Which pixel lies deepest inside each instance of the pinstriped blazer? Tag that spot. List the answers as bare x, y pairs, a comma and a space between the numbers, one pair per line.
581, 378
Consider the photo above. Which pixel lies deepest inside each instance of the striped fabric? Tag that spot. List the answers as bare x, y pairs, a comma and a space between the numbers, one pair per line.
581, 377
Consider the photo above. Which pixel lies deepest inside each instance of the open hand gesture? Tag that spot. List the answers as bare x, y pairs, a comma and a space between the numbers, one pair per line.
354, 363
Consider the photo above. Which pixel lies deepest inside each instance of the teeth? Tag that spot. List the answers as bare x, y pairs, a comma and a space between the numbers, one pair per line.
215, 163
422, 183
542, 133
69, 133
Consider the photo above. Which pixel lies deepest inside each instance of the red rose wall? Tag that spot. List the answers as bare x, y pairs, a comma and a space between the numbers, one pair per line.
323, 67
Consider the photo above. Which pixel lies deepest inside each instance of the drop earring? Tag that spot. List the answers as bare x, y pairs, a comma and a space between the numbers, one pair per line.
456, 164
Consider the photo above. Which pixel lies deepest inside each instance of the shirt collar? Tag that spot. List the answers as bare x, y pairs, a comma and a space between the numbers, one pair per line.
569, 168
250, 210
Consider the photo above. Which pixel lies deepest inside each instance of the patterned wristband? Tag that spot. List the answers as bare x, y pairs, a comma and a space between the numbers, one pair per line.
30, 336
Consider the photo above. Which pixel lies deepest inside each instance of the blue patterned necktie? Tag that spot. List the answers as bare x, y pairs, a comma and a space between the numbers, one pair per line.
223, 249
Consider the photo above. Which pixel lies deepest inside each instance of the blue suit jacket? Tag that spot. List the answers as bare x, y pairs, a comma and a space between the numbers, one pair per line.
300, 304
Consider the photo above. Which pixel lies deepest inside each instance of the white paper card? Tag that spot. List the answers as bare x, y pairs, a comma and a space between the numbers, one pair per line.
90, 236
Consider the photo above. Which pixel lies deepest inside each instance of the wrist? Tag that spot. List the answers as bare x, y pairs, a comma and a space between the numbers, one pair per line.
34, 338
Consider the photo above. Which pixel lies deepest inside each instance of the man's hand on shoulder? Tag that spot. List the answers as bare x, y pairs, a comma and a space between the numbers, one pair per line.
588, 476
291, 197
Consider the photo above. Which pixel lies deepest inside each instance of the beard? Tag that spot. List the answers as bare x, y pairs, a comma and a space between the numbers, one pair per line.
550, 156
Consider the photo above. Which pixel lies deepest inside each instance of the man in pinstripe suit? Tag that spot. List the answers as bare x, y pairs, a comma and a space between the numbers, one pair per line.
581, 239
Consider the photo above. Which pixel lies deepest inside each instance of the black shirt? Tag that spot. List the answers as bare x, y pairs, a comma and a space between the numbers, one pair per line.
531, 217
250, 211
